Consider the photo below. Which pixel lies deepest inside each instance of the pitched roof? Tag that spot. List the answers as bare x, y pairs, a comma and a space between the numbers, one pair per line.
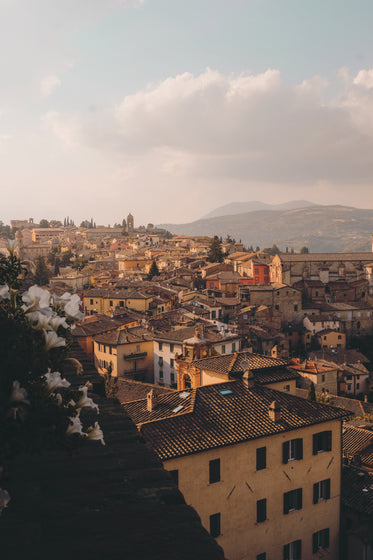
358, 444
124, 336
357, 490
130, 390
242, 362
211, 418
317, 257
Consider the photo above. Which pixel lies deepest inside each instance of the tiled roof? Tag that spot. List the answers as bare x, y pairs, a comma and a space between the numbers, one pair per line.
238, 362
327, 257
101, 324
340, 356
125, 336
357, 492
179, 335
212, 419
115, 294
130, 390
358, 444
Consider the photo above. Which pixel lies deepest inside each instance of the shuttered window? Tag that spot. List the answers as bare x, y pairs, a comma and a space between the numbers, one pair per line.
322, 441
321, 491
293, 500
320, 540
261, 458
292, 450
293, 551
261, 510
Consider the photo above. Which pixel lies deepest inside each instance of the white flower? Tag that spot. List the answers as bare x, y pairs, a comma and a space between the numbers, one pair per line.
18, 394
4, 499
95, 432
75, 426
11, 245
52, 340
85, 400
39, 320
35, 299
4, 292
72, 307
56, 322
55, 381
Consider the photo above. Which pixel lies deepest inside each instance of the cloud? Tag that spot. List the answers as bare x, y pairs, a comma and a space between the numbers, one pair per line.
49, 84
242, 127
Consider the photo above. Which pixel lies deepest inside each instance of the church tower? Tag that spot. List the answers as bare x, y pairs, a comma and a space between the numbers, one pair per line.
130, 226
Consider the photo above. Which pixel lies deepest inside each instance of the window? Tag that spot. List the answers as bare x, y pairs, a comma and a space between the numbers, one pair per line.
321, 491
223, 349
357, 385
214, 471
323, 378
160, 345
277, 307
111, 303
172, 347
160, 361
292, 450
110, 350
292, 500
295, 307
261, 510
322, 442
293, 550
91, 301
172, 377
349, 377
320, 540
121, 304
172, 362
215, 525
261, 458
160, 373
233, 346
358, 377
339, 337
175, 476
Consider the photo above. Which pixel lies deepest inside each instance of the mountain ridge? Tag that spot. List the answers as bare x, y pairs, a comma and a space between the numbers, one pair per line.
332, 228
253, 206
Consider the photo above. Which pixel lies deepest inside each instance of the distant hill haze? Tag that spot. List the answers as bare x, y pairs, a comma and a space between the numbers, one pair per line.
255, 205
320, 228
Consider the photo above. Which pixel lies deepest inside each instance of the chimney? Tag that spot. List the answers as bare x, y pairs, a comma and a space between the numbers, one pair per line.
151, 400
248, 379
274, 412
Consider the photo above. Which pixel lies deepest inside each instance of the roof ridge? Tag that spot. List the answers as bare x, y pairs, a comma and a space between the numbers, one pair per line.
234, 359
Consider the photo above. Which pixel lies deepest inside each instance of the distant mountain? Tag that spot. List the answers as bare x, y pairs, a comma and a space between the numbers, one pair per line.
255, 205
320, 228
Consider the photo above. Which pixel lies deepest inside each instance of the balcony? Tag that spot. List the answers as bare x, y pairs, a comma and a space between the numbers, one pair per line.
135, 355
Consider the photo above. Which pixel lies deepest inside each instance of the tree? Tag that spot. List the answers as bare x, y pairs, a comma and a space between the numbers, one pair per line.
55, 223
311, 395
42, 274
304, 250
57, 266
44, 224
65, 257
215, 253
154, 270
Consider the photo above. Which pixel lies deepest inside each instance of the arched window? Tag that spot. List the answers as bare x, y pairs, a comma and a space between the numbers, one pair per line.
187, 382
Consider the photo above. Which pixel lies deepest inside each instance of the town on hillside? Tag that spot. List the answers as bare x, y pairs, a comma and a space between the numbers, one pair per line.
249, 372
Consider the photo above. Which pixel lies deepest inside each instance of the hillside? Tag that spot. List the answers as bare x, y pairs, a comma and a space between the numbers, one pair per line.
253, 206
321, 228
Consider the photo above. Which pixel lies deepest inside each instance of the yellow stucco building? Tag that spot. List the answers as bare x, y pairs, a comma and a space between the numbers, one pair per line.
261, 467
101, 300
129, 353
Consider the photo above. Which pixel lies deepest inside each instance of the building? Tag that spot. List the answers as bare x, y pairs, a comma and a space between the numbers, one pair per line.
130, 224
169, 345
102, 300
197, 367
127, 352
262, 468
326, 267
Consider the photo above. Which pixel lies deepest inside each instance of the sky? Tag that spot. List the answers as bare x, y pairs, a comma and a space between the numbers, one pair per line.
168, 109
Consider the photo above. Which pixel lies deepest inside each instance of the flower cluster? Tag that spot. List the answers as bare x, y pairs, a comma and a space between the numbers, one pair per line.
38, 407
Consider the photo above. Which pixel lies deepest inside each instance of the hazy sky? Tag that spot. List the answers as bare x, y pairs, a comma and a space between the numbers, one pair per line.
170, 108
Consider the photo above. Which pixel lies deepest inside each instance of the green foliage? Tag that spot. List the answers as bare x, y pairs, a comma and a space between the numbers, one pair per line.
154, 271
215, 253
304, 250
311, 395
42, 275
44, 224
